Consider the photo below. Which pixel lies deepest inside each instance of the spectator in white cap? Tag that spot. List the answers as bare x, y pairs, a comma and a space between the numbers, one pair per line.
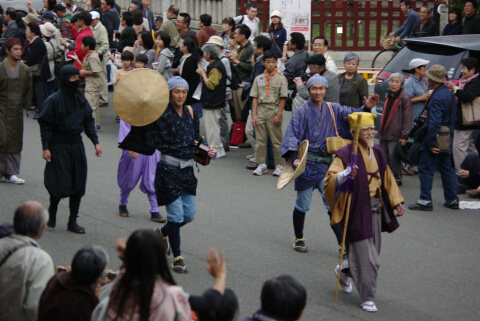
224, 130
278, 34
101, 46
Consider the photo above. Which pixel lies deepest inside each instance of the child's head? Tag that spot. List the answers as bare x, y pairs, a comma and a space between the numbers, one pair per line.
127, 59
141, 61
88, 43
284, 297
162, 39
228, 306
270, 60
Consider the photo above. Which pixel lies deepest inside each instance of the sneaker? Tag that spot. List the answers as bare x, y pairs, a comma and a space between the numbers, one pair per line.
157, 217
97, 128
178, 265
165, 240
300, 246
278, 170
250, 156
421, 207
220, 153
452, 205
253, 159
15, 180
369, 306
345, 281
261, 169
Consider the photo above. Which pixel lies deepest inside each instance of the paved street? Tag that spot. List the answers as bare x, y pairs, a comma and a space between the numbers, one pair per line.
428, 266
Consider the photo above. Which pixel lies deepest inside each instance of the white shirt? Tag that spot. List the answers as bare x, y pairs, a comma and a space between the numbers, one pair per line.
252, 24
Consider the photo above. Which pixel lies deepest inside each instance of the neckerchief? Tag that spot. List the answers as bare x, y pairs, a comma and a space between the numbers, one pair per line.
88, 55
268, 79
462, 82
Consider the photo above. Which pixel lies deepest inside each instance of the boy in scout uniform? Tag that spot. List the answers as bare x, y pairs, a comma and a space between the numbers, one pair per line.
269, 94
91, 68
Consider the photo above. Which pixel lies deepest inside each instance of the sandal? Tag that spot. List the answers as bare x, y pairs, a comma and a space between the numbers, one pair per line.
122, 210
369, 306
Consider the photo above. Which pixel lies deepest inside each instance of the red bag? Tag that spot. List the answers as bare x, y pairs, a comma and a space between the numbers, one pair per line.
238, 132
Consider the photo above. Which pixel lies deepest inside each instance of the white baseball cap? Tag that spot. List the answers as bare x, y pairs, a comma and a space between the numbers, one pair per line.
415, 63
95, 15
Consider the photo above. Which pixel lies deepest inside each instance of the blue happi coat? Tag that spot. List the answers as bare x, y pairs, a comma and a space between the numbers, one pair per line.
315, 124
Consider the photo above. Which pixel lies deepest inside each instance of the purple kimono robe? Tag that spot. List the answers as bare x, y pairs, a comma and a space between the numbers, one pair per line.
315, 124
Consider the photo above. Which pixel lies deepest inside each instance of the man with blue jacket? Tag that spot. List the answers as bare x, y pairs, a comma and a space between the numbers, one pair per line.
440, 112
408, 27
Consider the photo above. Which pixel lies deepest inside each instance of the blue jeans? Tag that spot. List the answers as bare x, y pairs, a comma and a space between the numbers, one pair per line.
429, 162
304, 197
182, 210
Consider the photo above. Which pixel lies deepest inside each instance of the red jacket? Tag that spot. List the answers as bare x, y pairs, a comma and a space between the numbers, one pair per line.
78, 46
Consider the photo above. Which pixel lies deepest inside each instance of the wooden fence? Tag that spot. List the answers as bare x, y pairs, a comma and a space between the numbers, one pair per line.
362, 23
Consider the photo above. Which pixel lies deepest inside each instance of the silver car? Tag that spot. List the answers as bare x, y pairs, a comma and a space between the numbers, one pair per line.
21, 5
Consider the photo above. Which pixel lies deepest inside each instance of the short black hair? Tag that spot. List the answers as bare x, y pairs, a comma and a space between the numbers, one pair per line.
173, 9
147, 39
12, 13
206, 19
128, 17
251, 5
110, 3
283, 297
35, 28
244, 30
473, 2
325, 41
89, 263
142, 58
89, 41
127, 55
470, 63
263, 42
139, 4
51, 4
165, 38
269, 54
86, 17
297, 39
186, 18
228, 306
407, 3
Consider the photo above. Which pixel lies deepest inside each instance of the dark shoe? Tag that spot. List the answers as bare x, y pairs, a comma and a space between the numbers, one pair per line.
178, 265
117, 119
245, 145
420, 207
165, 241
473, 193
122, 210
399, 184
300, 246
157, 217
36, 116
103, 104
252, 166
271, 167
52, 218
75, 228
453, 205
407, 171
227, 148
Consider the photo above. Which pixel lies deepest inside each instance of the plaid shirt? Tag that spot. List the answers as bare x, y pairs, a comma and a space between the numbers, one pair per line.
416, 87
64, 28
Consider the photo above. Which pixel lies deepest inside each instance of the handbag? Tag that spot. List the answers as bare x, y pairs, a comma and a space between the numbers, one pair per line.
471, 112
201, 150
336, 142
444, 137
36, 69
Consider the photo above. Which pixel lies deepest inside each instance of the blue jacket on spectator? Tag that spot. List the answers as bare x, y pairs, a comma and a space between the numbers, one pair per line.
440, 111
408, 27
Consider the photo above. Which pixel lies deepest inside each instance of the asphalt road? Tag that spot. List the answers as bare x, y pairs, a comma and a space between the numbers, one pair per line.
428, 266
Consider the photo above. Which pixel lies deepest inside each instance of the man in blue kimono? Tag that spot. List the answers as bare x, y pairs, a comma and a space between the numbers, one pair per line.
313, 121
174, 135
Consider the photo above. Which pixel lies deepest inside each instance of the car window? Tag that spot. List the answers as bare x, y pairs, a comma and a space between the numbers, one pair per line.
448, 57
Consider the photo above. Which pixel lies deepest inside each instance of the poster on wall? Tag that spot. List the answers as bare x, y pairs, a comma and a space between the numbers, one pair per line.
296, 15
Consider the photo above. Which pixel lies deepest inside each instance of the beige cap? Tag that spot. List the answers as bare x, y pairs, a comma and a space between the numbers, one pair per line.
215, 40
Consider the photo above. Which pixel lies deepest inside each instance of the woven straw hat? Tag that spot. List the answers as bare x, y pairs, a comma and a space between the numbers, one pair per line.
289, 174
141, 97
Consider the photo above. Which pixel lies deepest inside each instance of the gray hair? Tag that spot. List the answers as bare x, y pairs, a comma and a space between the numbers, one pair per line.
89, 263
397, 75
351, 56
29, 218
212, 49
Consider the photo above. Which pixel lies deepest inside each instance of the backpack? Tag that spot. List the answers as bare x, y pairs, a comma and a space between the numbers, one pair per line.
238, 132
235, 80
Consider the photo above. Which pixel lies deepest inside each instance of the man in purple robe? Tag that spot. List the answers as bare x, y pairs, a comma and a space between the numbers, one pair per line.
131, 167
313, 121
